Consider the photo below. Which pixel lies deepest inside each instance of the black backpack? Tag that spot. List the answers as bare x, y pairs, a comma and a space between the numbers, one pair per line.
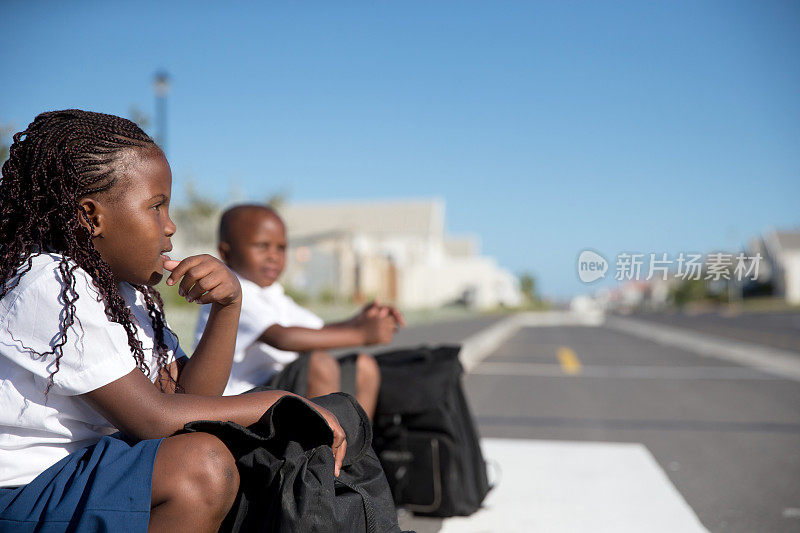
424, 434
286, 471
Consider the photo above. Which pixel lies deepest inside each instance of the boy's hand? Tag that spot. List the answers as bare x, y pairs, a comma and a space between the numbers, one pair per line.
391, 310
378, 323
378, 326
205, 280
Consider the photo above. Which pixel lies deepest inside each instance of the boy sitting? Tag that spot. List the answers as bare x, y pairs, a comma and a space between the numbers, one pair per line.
273, 328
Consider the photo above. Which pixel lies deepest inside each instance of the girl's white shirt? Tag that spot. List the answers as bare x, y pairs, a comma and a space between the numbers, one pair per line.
255, 362
38, 430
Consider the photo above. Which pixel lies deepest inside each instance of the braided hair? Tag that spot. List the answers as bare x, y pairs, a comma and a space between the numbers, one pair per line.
61, 157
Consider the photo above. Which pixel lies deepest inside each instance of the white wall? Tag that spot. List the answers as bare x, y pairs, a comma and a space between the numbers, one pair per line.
439, 283
791, 277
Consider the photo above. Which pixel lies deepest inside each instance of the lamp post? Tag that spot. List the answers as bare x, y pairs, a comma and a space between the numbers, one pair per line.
161, 88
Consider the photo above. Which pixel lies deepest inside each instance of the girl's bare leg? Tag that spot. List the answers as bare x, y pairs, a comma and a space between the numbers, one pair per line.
195, 482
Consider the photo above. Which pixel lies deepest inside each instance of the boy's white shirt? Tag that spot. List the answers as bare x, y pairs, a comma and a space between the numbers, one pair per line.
255, 362
36, 431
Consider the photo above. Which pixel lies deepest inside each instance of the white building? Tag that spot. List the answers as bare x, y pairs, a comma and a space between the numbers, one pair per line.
781, 265
393, 250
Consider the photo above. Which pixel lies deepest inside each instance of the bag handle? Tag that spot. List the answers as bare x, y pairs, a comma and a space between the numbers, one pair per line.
369, 511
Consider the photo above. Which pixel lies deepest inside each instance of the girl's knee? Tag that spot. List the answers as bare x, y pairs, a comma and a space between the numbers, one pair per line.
215, 466
203, 469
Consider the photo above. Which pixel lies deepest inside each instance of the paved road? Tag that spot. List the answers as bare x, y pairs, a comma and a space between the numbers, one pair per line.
777, 329
727, 436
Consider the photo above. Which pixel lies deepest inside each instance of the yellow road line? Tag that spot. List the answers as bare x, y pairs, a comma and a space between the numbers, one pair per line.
570, 363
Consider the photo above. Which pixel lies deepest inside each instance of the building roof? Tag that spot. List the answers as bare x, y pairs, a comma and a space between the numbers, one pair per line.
424, 218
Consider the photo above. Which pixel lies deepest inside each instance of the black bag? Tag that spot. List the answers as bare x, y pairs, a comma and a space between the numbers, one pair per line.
286, 471
424, 433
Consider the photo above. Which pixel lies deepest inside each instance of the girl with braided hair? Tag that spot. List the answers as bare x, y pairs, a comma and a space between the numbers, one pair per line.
85, 350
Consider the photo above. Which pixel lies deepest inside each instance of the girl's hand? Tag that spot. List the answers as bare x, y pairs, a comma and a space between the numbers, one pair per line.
339, 445
205, 280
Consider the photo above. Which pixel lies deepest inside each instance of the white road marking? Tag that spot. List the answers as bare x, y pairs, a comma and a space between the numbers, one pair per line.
767, 359
623, 371
479, 346
555, 487
783, 363
791, 512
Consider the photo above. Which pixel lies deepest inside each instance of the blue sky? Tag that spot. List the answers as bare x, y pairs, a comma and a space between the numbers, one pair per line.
547, 127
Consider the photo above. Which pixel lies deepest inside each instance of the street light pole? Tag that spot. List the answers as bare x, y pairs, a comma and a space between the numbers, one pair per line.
161, 88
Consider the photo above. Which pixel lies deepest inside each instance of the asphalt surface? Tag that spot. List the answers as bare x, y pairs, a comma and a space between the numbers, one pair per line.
727, 436
776, 329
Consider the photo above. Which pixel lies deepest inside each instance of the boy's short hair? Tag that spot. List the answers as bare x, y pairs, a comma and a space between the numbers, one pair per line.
230, 215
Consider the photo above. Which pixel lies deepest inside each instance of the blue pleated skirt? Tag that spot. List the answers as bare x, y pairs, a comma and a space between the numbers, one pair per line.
104, 487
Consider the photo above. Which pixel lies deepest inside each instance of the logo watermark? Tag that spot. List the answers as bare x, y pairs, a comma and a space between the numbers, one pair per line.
591, 266
717, 266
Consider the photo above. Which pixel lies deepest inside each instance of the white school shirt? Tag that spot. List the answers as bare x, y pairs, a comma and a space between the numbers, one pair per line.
255, 362
37, 431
